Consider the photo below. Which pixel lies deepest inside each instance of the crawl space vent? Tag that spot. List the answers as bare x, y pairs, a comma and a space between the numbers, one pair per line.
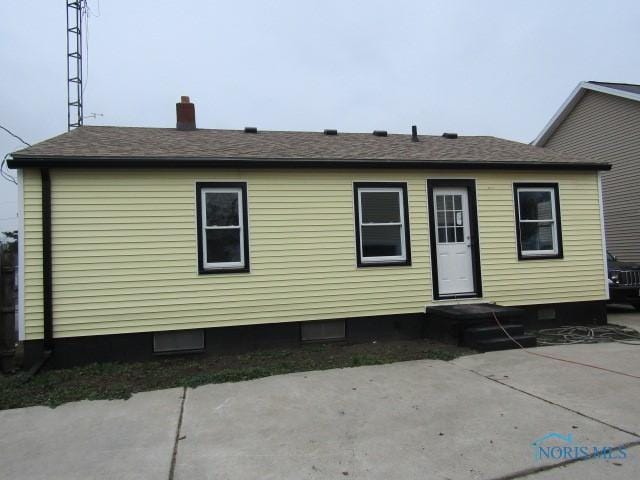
546, 314
318, 331
178, 341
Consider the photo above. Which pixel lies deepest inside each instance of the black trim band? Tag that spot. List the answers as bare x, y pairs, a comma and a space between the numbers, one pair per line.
407, 236
470, 185
245, 226
20, 161
516, 206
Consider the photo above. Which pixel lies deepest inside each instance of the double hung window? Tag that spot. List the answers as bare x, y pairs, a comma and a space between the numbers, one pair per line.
538, 221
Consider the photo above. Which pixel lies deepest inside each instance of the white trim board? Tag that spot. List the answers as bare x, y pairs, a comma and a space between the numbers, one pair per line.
604, 238
569, 104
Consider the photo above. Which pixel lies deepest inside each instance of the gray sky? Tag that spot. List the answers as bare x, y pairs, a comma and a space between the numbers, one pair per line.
497, 68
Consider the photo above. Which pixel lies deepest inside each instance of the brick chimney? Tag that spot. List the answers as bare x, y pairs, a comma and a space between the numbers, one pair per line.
185, 114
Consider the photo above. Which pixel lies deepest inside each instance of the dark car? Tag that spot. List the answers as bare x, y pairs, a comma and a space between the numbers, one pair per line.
624, 281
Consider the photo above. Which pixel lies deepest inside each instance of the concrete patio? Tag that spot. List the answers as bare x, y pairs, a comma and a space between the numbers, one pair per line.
475, 417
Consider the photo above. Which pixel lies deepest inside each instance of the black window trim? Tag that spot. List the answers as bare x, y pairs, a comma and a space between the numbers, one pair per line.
516, 206
407, 237
245, 226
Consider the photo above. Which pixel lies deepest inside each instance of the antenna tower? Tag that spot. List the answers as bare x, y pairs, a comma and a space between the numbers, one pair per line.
74, 62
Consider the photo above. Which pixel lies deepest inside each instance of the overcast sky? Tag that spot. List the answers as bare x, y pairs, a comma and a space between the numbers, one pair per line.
497, 68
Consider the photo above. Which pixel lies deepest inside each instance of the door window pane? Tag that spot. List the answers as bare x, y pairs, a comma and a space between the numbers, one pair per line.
442, 235
449, 216
451, 235
222, 209
448, 202
381, 240
223, 245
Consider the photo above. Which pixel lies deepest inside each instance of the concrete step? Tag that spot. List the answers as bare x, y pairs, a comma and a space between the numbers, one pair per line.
472, 334
504, 343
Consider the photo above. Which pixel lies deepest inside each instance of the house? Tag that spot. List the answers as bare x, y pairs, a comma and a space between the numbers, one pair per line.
143, 240
601, 121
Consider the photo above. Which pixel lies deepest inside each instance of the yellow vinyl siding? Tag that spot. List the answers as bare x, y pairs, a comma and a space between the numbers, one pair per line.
33, 309
125, 253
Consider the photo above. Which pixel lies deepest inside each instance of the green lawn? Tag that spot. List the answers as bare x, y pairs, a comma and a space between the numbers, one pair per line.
120, 380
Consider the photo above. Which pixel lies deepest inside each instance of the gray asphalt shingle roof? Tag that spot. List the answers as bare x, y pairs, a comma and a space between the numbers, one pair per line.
130, 143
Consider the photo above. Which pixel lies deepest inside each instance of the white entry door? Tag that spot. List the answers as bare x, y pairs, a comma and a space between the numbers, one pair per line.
453, 241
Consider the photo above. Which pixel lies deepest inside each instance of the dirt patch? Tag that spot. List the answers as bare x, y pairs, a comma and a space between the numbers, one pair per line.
120, 380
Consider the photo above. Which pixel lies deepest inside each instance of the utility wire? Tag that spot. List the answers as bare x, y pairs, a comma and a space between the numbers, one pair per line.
14, 135
4, 174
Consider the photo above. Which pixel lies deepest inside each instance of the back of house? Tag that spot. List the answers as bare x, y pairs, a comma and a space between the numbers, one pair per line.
601, 121
137, 241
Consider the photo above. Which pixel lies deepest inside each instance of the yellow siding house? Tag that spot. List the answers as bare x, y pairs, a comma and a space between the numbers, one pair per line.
140, 240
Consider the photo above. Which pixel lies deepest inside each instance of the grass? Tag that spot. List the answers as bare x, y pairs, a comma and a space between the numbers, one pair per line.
120, 380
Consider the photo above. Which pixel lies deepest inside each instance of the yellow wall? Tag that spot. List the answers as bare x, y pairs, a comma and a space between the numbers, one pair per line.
125, 253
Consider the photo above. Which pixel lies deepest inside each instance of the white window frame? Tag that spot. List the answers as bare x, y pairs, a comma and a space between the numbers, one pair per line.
203, 234
387, 259
554, 220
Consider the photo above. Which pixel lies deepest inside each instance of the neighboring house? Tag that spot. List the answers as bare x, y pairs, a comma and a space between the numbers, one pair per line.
601, 121
251, 237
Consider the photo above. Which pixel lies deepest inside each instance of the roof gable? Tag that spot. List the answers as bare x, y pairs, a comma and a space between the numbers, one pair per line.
624, 90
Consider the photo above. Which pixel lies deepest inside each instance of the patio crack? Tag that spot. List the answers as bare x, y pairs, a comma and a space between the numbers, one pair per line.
544, 468
620, 429
174, 454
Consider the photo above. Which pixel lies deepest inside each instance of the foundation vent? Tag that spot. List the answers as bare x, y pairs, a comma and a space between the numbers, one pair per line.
546, 313
322, 331
178, 341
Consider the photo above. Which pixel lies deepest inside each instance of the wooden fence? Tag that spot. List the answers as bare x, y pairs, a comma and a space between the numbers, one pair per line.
8, 302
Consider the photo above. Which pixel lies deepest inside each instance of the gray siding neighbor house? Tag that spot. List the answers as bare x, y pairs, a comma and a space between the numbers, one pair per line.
601, 121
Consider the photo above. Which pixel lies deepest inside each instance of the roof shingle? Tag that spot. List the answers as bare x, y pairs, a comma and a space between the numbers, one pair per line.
132, 143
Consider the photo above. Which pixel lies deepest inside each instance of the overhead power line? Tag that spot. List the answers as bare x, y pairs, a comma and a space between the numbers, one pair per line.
14, 135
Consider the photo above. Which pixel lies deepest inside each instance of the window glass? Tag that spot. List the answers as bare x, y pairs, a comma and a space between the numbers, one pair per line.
536, 236
223, 245
382, 241
535, 205
222, 208
380, 207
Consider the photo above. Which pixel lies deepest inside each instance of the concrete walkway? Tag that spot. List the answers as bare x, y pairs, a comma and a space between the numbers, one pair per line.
473, 418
